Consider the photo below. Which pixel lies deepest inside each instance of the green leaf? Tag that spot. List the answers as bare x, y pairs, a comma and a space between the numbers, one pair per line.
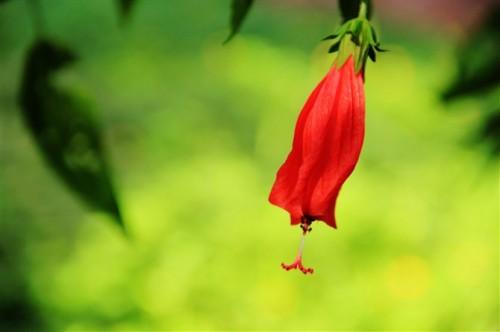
478, 61
355, 39
64, 128
489, 132
372, 54
482, 80
350, 8
334, 48
125, 7
3, 1
330, 37
239, 10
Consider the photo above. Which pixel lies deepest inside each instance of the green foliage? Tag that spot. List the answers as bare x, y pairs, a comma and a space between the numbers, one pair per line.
239, 11
64, 129
17, 312
355, 37
479, 75
478, 60
489, 131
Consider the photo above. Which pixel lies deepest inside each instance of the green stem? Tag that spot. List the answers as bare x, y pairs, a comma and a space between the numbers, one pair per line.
362, 10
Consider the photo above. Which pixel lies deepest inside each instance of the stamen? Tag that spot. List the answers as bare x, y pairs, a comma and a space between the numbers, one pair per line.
297, 263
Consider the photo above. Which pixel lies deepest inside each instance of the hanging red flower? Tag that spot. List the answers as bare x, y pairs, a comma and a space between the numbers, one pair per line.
326, 146
328, 136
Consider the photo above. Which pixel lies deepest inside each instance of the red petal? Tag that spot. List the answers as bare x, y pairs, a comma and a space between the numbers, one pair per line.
327, 143
341, 147
286, 178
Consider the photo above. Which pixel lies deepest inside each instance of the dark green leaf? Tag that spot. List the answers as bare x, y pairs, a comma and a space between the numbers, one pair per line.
478, 61
482, 80
377, 47
334, 48
372, 54
489, 132
239, 10
3, 1
330, 37
478, 75
350, 8
126, 8
355, 39
64, 128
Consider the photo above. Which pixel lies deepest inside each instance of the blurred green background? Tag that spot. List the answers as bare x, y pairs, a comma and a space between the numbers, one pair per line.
195, 132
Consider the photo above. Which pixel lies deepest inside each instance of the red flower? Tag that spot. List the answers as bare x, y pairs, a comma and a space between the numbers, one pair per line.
326, 146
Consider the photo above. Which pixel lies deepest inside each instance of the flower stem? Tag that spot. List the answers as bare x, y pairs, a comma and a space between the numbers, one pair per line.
362, 10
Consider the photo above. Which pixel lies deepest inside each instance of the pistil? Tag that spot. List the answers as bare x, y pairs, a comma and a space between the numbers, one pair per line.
297, 263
